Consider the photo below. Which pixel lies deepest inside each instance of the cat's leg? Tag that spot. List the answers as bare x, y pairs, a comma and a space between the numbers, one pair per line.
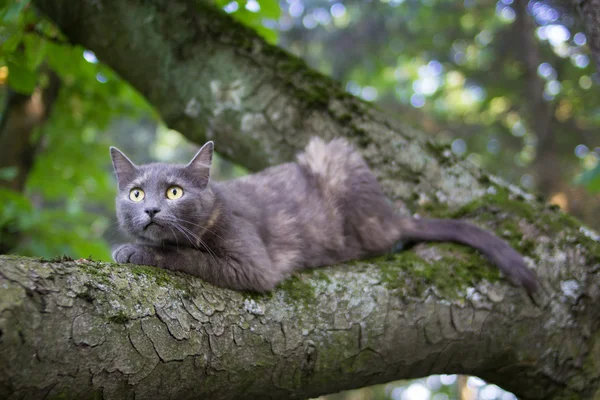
236, 271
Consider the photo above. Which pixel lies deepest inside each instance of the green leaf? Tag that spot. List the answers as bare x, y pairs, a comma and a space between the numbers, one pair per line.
20, 78
270, 9
12, 13
14, 206
14, 38
268, 34
591, 179
35, 51
222, 3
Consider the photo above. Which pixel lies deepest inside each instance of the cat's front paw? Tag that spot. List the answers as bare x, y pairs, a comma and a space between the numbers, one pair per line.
134, 254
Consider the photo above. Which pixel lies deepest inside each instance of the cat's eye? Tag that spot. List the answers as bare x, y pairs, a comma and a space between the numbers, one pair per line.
136, 194
174, 192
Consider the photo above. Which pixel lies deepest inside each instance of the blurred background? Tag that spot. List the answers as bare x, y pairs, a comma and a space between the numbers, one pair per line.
509, 84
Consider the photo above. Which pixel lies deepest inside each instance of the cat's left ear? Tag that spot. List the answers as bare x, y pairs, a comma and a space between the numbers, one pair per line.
124, 168
201, 163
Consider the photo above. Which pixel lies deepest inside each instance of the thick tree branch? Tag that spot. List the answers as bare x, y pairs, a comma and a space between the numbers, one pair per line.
77, 328
212, 78
80, 328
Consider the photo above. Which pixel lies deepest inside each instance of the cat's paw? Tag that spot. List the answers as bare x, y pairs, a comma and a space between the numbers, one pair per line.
134, 254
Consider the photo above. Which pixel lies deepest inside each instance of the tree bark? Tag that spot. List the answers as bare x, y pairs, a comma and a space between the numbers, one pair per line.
589, 11
22, 115
547, 166
80, 329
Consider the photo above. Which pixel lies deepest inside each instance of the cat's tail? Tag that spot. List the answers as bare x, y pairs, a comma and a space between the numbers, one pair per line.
495, 249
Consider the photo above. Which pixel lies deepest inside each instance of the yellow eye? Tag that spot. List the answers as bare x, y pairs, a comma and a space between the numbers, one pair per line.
136, 194
174, 192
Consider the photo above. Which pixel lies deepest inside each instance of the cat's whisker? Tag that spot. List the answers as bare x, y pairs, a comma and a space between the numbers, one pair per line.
116, 232
190, 233
198, 225
112, 230
208, 249
175, 236
111, 237
202, 242
177, 220
186, 236
183, 230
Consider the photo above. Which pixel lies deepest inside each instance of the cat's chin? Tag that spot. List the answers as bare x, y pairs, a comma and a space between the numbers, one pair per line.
151, 224
152, 232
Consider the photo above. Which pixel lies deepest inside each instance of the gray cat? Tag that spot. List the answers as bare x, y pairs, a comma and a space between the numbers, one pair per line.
250, 233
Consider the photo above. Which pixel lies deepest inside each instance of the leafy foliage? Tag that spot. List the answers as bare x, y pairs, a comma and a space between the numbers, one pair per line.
460, 70
22, 50
261, 15
591, 179
70, 190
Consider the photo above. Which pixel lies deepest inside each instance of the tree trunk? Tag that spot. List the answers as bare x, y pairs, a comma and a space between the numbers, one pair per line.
23, 116
85, 328
589, 10
547, 166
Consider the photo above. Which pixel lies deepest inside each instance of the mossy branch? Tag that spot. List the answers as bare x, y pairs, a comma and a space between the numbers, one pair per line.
74, 329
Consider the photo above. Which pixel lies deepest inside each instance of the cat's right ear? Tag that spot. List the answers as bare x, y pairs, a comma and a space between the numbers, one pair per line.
201, 163
124, 168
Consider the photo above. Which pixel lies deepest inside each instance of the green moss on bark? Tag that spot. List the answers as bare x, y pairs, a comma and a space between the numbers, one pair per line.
298, 289
456, 269
119, 318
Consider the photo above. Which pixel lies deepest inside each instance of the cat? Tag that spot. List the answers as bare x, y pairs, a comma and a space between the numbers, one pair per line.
250, 233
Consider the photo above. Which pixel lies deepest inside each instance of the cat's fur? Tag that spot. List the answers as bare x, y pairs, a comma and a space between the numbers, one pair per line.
252, 232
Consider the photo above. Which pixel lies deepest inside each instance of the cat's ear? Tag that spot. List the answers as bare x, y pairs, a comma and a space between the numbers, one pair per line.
124, 168
201, 163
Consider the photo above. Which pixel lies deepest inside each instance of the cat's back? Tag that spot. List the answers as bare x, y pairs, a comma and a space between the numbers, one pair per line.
271, 186
297, 208
323, 169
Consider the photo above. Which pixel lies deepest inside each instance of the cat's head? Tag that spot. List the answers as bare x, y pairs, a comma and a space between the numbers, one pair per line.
164, 203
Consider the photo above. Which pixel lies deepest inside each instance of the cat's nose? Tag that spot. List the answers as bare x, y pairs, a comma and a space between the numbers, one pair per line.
152, 211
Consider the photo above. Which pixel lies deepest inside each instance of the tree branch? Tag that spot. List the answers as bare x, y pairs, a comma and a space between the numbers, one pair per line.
212, 78
209, 76
77, 328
